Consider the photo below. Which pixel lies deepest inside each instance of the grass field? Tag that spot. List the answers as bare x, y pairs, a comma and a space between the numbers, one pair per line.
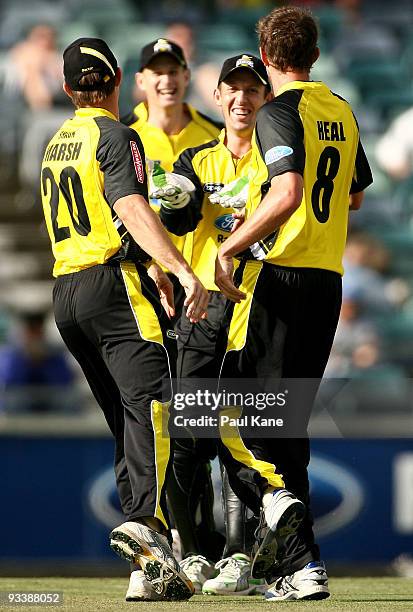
90, 594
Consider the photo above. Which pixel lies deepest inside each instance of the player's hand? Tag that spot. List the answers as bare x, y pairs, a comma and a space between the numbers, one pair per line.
197, 297
224, 271
165, 288
233, 195
172, 190
239, 218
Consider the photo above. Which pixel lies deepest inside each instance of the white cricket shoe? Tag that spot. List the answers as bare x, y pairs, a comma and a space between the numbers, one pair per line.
233, 577
140, 544
311, 582
283, 513
140, 589
198, 569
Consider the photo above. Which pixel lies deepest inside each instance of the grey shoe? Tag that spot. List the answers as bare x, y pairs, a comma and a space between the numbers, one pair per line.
198, 569
140, 544
283, 514
140, 589
311, 582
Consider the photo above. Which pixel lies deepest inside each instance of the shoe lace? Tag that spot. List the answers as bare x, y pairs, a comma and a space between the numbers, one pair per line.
194, 563
261, 528
230, 567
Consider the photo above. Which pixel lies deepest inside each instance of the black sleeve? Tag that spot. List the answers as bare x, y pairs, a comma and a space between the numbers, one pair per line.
122, 160
184, 220
362, 173
280, 136
129, 118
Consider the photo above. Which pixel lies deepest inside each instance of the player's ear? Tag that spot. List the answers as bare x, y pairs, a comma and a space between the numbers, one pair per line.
67, 89
118, 77
139, 80
217, 96
264, 57
187, 76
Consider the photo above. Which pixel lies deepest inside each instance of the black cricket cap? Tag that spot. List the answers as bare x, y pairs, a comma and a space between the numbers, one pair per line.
249, 62
161, 45
86, 55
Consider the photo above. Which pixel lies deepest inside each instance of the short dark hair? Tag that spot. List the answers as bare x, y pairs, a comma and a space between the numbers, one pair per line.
288, 35
92, 96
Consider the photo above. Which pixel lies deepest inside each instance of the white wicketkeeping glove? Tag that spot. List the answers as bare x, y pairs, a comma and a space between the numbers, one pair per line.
172, 190
233, 195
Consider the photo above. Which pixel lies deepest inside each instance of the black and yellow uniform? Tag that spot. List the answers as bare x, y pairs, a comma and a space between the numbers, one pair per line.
166, 148
106, 307
286, 325
309, 130
209, 166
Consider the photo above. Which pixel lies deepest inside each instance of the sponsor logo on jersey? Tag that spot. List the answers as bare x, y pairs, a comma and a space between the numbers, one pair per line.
224, 222
212, 187
137, 161
276, 153
66, 133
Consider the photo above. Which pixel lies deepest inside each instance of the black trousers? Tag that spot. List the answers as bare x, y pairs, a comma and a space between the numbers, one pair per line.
109, 317
189, 483
283, 330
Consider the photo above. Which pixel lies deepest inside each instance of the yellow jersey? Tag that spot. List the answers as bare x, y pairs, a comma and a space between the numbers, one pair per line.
91, 162
167, 148
209, 166
312, 131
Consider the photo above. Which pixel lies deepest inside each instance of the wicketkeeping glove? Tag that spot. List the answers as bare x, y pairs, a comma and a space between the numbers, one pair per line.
172, 190
233, 195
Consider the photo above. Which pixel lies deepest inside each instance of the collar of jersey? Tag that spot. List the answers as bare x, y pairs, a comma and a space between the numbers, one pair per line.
93, 112
221, 145
141, 111
300, 85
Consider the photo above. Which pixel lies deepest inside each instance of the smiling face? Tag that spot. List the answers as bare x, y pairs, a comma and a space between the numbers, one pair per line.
240, 97
164, 81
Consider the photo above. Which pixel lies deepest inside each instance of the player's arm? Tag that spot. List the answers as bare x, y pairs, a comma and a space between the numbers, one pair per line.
356, 200
122, 161
281, 201
185, 219
362, 178
146, 229
279, 139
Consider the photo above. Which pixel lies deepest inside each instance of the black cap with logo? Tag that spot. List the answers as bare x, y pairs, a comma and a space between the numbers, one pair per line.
86, 55
250, 62
162, 45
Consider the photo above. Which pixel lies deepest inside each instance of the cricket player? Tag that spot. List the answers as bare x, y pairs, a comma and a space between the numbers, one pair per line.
309, 162
218, 172
106, 303
167, 125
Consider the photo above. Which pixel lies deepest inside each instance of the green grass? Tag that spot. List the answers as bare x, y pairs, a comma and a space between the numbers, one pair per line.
90, 594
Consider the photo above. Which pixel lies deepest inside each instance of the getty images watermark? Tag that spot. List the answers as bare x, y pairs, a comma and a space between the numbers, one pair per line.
202, 408
229, 408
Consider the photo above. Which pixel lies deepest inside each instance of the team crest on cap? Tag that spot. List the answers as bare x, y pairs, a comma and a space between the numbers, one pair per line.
245, 60
162, 45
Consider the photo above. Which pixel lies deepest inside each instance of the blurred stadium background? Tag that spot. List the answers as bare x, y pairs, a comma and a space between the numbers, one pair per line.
56, 455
